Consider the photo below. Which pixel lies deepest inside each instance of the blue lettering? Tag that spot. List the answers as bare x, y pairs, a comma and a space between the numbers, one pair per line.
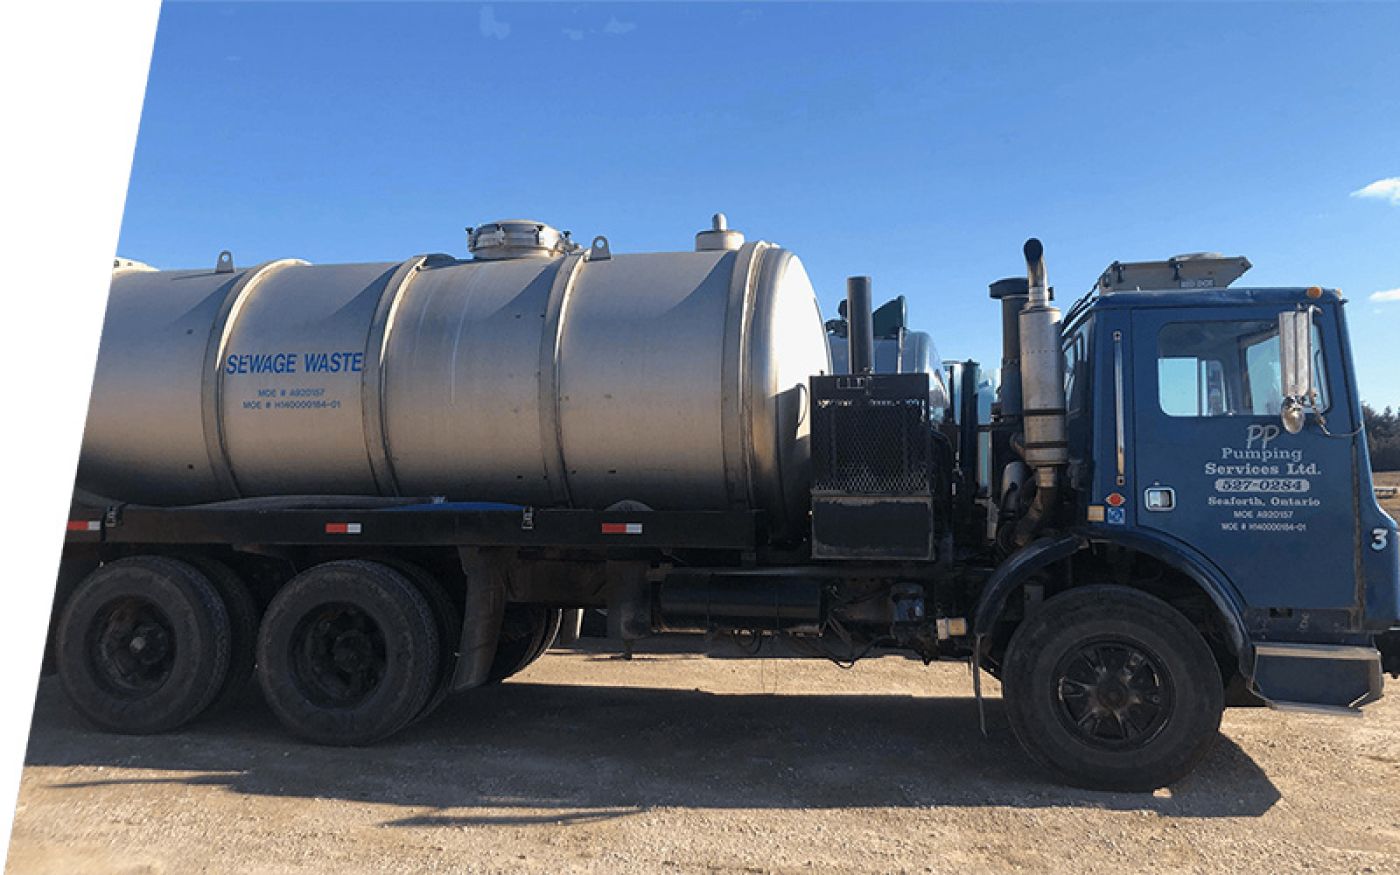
345, 362
333, 362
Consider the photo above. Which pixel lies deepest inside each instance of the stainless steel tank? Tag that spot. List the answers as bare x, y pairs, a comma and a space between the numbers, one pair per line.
537, 372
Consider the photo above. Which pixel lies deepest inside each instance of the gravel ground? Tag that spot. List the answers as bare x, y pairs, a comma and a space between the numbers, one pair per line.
678, 763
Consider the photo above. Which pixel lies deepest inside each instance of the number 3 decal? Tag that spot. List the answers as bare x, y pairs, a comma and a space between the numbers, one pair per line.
1380, 539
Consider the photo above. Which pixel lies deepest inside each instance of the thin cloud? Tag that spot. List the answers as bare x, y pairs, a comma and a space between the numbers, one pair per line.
620, 27
491, 26
573, 34
1386, 297
1387, 189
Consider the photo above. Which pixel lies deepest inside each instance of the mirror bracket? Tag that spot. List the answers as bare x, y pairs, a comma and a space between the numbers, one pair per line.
1295, 367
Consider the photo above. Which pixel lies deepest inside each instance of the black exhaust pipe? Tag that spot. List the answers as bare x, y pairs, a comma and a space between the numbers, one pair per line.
861, 325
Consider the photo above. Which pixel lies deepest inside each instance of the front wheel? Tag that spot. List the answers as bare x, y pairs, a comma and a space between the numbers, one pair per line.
1111, 688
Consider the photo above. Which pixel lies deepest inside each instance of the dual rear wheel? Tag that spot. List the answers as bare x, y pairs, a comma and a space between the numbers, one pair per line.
348, 652
146, 644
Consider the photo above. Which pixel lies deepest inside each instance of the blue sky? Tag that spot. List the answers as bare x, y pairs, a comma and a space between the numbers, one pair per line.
917, 143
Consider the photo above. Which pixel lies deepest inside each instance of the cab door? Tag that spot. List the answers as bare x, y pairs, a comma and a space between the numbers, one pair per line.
1214, 467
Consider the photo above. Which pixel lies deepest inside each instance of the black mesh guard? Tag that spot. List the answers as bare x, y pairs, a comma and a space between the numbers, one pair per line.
870, 435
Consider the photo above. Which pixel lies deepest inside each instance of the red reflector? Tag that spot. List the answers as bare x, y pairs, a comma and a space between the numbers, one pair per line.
84, 526
342, 528
622, 528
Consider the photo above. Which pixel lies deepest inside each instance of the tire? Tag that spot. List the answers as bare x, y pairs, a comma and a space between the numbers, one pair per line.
526, 633
448, 618
554, 621
143, 645
72, 571
348, 653
1143, 722
243, 628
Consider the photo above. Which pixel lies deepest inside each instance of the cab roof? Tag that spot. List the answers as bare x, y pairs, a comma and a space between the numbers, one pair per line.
1226, 297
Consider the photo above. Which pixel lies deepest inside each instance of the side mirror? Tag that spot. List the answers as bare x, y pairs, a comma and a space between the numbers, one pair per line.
1295, 367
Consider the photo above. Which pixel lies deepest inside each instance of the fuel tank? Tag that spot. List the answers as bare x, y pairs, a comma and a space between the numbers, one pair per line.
537, 372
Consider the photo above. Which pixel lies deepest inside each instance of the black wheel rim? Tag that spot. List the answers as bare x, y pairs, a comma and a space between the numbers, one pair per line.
131, 648
338, 655
1112, 694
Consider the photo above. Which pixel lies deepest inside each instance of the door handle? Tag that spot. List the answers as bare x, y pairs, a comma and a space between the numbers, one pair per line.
1160, 498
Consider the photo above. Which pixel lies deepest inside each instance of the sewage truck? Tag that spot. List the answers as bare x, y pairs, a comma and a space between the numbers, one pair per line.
373, 486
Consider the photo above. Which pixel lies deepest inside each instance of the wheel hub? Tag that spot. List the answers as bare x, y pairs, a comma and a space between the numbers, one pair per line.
351, 651
340, 655
132, 648
149, 644
1112, 694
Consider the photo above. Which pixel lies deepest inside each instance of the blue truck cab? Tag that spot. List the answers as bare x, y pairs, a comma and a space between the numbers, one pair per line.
1179, 449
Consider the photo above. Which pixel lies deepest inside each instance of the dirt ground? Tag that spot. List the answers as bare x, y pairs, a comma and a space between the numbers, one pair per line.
678, 763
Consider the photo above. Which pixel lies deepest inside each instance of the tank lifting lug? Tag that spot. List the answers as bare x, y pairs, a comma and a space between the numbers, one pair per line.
598, 250
225, 262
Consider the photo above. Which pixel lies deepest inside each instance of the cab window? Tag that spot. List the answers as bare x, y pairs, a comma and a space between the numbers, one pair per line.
1224, 369
1076, 347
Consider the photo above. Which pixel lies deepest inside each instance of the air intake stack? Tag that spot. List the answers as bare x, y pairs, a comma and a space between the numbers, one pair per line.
861, 320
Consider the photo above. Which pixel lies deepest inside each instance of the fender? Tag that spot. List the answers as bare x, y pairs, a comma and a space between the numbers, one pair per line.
1185, 559
1035, 556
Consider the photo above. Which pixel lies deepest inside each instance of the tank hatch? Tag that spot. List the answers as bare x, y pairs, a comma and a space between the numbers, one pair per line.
518, 238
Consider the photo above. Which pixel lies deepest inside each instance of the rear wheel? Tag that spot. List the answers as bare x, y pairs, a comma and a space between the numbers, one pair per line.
143, 645
526, 633
1111, 688
348, 653
448, 618
243, 627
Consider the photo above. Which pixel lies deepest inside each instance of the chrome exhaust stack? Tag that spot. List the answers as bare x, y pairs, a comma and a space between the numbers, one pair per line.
1045, 448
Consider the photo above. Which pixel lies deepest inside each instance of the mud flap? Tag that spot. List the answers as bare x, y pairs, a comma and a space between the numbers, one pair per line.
1388, 643
481, 621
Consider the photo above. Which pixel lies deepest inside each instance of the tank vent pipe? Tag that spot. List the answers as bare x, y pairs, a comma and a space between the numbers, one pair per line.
861, 324
719, 237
